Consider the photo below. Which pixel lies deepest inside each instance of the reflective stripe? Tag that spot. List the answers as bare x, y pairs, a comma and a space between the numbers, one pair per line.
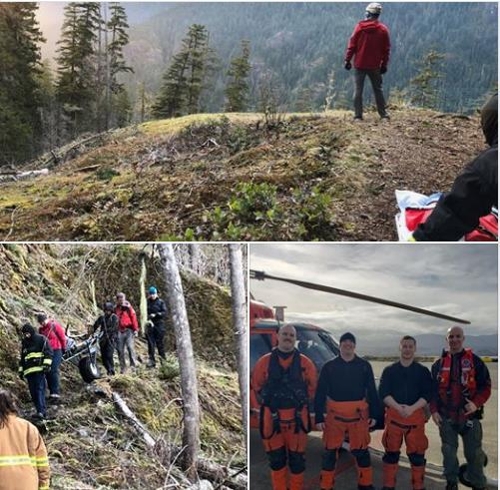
33, 355
37, 369
17, 460
47, 361
42, 461
44, 487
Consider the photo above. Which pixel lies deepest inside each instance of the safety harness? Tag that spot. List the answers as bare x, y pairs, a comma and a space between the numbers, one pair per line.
285, 389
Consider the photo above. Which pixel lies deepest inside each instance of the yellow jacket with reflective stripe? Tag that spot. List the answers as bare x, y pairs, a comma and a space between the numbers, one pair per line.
24, 464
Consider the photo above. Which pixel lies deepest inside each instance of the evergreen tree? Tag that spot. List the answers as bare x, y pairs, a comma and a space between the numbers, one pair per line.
237, 89
20, 122
183, 81
77, 71
424, 91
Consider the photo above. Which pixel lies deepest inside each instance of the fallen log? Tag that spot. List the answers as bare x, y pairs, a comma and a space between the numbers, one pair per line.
215, 472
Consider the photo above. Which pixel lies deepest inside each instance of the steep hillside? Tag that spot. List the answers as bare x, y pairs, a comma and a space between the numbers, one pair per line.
91, 445
299, 177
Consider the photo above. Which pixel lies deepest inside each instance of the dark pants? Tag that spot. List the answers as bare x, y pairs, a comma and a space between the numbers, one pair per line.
472, 437
36, 383
155, 338
376, 80
53, 375
107, 352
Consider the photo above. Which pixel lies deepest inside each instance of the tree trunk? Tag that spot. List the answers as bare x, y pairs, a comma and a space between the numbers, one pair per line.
189, 385
195, 255
239, 307
143, 308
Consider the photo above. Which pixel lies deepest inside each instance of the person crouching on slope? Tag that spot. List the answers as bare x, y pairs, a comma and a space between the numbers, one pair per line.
405, 388
24, 464
347, 394
284, 381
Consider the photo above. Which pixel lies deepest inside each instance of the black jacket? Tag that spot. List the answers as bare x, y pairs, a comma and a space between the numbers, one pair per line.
36, 355
158, 308
346, 381
473, 194
109, 327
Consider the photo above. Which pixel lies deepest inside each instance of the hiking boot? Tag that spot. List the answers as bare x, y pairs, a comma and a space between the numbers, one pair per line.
385, 118
451, 486
38, 416
150, 364
54, 398
357, 118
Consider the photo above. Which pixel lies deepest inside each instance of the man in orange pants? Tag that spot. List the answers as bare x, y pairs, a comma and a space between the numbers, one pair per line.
347, 394
405, 388
285, 381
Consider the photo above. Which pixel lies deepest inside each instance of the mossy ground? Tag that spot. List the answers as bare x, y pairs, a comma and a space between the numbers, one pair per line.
323, 177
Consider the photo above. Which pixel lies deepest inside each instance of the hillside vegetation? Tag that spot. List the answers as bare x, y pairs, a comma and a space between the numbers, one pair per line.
90, 444
241, 177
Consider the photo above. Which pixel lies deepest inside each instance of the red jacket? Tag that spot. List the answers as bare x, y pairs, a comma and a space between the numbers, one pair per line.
370, 45
126, 317
55, 333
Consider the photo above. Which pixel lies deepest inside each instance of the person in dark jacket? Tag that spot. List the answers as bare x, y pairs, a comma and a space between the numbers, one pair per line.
108, 326
370, 46
405, 389
474, 192
36, 360
461, 387
155, 329
347, 394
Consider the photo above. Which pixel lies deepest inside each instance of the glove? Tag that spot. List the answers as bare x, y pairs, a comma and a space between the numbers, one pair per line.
347, 65
136, 333
383, 69
21, 376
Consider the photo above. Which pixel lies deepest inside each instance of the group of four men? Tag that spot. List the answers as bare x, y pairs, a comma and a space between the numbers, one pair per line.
346, 404
42, 352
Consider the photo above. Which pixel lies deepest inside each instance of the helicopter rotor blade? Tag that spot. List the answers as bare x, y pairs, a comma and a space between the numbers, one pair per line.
260, 275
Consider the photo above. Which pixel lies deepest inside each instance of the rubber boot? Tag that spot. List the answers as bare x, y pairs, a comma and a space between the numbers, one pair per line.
296, 481
390, 472
327, 480
365, 477
417, 477
278, 477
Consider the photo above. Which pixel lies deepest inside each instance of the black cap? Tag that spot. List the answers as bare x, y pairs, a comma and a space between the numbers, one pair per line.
41, 317
108, 306
28, 328
347, 336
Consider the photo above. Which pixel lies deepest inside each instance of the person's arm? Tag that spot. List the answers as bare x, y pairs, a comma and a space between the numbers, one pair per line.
387, 49
38, 451
352, 44
133, 317
61, 335
483, 383
457, 213
371, 394
259, 375
321, 392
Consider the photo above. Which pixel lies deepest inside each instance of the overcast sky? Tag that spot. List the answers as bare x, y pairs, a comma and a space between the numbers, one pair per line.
457, 280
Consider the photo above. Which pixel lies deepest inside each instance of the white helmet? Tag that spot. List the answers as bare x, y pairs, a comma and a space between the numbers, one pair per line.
374, 8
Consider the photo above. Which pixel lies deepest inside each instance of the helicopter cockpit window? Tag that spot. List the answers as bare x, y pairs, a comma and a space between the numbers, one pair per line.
259, 345
318, 346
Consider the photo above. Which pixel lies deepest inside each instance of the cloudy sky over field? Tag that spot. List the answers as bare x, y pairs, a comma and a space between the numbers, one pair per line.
457, 280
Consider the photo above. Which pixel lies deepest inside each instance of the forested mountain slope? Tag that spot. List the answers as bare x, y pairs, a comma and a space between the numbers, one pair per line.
300, 46
91, 445
238, 177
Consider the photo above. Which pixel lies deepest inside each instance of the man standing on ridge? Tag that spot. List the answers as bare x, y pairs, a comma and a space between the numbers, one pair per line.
348, 396
461, 387
155, 330
284, 381
405, 389
370, 46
